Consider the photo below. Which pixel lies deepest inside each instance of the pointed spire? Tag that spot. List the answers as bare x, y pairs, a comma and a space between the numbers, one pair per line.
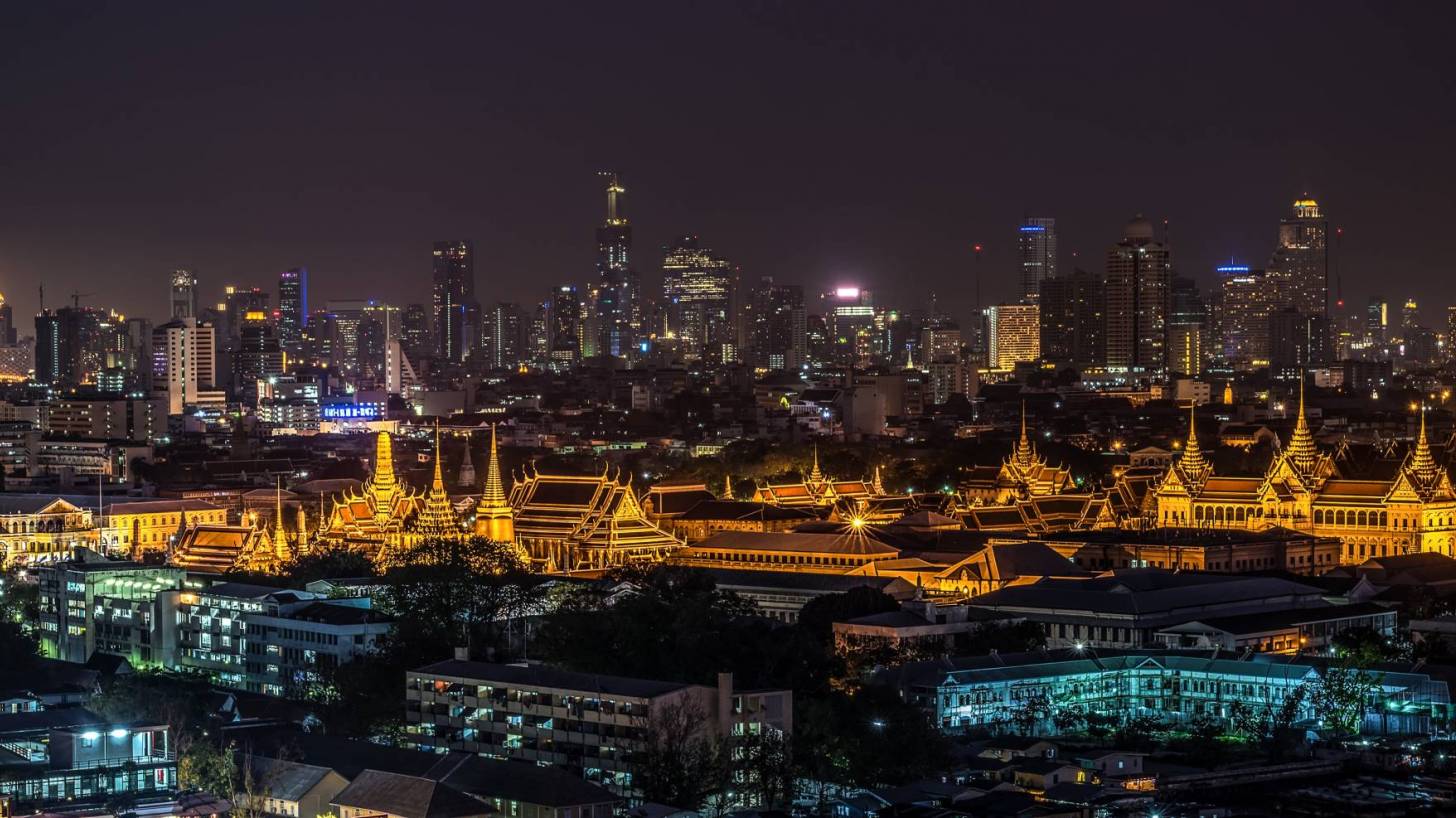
438, 483
816, 476
1423, 463
467, 469
1192, 459
383, 479
280, 539
1024, 455
494, 494
877, 485
1302, 451
1228, 393
727, 487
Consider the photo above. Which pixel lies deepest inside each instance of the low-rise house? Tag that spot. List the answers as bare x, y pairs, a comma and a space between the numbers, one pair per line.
72, 757
376, 794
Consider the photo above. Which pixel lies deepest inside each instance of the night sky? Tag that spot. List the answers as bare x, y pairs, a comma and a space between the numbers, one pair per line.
816, 142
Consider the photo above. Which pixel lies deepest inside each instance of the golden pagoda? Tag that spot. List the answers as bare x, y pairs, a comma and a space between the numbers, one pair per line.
1023, 475
372, 517
494, 517
817, 490
435, 517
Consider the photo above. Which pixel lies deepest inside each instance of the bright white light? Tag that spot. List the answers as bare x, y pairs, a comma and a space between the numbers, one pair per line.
90, 735
118, 733
847, 292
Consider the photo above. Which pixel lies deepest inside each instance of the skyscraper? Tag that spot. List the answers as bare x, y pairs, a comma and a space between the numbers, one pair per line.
454, 278
184, 294
1243, 317
415, 331
1187, 327
618, 296
1037, 239
1015, 334
74, 344
1300, 264
1139, 278
777, 326
258, 355
7, 323
238, 304
1073, 315
564, 328
697, 288
501, 336
292, 306
184, 362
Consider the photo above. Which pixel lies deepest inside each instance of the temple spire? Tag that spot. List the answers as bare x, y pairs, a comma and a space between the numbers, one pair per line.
280, 539
1025, 455
816, 476
1192, 455
383, 479
727, 487
1423, 463
494, 517
1302, 451
877, 485
438, 484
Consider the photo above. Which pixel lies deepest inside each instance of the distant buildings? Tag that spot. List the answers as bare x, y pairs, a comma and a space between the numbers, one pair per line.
184, 295
454, 299
1037, 242
1139, 293
617, 310
778, 332
1073, 314
698, 291
184, 365
1015, 334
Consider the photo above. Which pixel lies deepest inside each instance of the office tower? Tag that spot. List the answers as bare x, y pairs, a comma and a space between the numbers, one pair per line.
940, 340
1015, 334
501, 336
7, 323
258, 355
1299, 267
184, 361
777, 326
74, 345
237, 303
850, 323
415, 331
618, 296
1244, 305
292, 306
1187, 327
454, 277
1297, 341
564, 328
1451, 332
1377, 320
1073, 313
184, 294
139, 349
379, 324
1410, 317
1139, 275
697, 290
1037, 239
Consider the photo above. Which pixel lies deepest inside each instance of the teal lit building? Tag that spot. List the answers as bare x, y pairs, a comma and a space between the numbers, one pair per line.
985, 693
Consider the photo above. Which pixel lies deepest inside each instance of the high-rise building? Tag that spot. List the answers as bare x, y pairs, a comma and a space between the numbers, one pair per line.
1244, 305
184, 294
74, 345
1139, 279
850, 321
697, 290
777, 326
1037, 239
184, 363
415, 331
1187, 327
454, 277
617, 300
379, 326
564, 328
501, 336
292, 306
1377, 320
1015, 334
257, 356
1073, 314
7, 323
1300, 265
1297, 341
237, 304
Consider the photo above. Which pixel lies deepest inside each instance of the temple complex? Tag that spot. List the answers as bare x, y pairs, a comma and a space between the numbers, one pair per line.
1304, 490
1024, 474
373, 517
817, 490
568, 523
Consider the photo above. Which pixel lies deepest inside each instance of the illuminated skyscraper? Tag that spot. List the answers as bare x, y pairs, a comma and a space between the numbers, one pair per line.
1139, 279
618, 296
564, 328
184, 294
501, 336
292, 306
1037, 239
697, 288
1015, 334
184, 362
1187, 327
258, 355
1377, 320
415, 331
1243, 317
1300, 264
454, 278
238, 303
7, 323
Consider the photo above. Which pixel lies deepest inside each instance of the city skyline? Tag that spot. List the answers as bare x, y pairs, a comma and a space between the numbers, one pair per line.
794, 201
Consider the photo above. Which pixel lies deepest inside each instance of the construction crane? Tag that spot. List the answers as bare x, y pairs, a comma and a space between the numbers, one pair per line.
76, 299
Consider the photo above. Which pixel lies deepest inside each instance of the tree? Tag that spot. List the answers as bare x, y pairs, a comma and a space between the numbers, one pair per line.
181, 701
763, 766
1137, 732
1031, 711
820, 613
208, 767
454, 592
1341, 694
328, 562
1001, 637
678, 763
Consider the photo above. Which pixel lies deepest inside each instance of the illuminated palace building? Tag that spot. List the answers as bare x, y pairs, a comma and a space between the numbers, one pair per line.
1304, 490
559, 522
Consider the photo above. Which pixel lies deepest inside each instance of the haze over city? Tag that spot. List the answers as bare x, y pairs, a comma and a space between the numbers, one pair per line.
822, 143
